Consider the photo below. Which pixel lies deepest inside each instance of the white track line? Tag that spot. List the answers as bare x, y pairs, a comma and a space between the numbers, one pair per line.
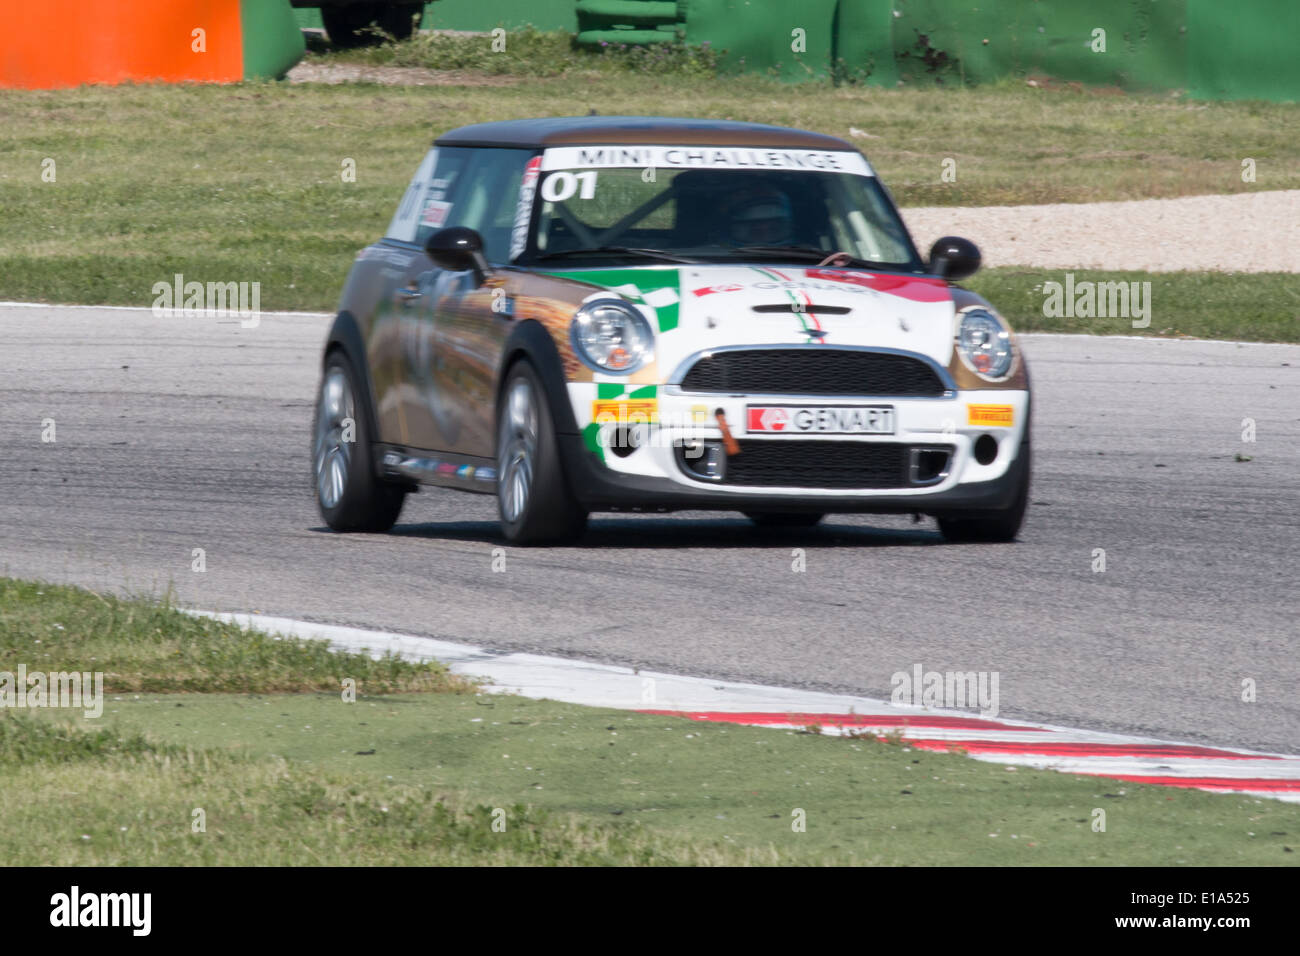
1008, 742
145, 308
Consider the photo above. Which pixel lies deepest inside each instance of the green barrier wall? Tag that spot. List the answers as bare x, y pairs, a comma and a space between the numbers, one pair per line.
629, 21
482, 15
1215, 49
1145, 40
864, 41
1244, 50
757, 35
272, 40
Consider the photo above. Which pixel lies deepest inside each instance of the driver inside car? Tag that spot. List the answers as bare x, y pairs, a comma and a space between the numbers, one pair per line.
758, 216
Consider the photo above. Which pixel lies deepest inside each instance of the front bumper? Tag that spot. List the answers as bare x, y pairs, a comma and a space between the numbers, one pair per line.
652, 478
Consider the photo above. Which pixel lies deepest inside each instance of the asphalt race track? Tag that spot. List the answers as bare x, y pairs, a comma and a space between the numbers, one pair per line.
181, 433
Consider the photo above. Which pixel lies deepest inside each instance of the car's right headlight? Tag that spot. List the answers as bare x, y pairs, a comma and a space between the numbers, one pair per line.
984, 344
610, 335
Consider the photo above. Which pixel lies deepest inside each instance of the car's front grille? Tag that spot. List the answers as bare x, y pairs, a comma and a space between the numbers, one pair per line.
826, 464
815, 371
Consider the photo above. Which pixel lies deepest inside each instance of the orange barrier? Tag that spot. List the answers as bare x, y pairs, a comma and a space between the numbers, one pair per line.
58, 43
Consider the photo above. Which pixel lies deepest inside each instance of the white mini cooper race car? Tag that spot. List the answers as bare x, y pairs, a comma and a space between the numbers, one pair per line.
646, 314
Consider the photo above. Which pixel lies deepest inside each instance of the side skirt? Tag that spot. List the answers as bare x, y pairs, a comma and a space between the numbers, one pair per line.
445, 470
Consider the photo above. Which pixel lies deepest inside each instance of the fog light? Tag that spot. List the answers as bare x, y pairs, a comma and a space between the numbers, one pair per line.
704, 459
627, 439
986, 449
928, 466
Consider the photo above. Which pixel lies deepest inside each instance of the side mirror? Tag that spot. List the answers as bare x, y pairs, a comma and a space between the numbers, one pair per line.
954, 258
457, 249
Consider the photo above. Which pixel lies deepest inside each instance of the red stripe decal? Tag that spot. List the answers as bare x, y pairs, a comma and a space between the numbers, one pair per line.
916, 288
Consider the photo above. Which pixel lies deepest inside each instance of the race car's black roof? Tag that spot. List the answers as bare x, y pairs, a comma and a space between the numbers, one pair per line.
641, 130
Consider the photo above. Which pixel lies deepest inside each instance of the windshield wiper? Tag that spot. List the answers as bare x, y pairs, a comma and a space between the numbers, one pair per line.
797, 252
616, 251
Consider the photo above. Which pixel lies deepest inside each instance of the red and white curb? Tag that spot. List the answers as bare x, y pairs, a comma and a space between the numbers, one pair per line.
1132, 759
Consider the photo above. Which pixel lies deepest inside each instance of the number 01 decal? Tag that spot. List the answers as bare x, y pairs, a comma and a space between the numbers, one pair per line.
561, 185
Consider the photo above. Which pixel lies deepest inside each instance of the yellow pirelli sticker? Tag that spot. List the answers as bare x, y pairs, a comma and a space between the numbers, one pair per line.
625, 411
994, 416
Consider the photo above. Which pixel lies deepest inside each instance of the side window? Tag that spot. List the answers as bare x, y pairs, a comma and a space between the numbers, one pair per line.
478, 188
439, 203
404, 220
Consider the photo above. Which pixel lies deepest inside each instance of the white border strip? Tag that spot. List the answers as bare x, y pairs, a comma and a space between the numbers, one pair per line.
142, 308
605, 685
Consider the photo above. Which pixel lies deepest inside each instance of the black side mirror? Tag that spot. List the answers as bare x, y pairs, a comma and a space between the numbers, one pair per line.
954, 258
458, 248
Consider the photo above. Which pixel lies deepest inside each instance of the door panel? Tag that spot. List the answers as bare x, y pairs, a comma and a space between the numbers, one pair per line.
451, 341
392, 271
433, 420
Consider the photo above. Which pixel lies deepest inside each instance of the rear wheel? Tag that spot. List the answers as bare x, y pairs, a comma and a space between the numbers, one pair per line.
784, 519
992, 526
349, 494
533, 496
346, 23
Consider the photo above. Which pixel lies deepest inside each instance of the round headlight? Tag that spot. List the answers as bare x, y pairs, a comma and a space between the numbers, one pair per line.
610, 335
984, 344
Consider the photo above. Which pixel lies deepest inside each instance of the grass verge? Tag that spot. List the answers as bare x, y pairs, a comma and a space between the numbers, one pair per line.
93, 797
1254, 307
245, 183
308, 778
141, 646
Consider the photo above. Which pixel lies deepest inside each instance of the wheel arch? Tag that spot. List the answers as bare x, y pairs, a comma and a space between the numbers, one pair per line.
530, 339
345, 336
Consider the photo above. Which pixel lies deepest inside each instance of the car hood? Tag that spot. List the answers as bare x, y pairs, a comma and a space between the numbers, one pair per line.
711, 306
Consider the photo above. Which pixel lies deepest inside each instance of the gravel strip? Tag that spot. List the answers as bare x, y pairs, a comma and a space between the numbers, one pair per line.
317, 72
1249, 232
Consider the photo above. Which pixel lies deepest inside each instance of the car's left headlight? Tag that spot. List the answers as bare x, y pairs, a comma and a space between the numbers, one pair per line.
984, 344
610, 335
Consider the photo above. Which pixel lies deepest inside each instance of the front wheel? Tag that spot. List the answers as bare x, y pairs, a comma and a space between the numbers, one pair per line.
992, 526
349, 494
533, 496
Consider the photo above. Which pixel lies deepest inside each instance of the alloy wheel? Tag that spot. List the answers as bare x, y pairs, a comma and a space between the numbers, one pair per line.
518, 454
335, 414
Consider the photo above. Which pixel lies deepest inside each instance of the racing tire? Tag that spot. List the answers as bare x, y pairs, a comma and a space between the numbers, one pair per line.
350, 496
785, 519
534, 501
991, 527
346, 23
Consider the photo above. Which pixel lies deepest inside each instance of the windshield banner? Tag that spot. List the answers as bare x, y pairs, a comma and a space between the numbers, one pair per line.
705, 157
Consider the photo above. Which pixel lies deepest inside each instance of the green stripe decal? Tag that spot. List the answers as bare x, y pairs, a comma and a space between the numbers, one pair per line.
794, 299
654, 286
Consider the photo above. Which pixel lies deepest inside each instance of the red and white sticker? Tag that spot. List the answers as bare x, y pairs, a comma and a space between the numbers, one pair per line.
820, 419
524, 207
710, 289
435, 213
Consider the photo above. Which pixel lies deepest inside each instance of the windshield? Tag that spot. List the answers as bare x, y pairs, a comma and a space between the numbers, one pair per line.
716, 215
